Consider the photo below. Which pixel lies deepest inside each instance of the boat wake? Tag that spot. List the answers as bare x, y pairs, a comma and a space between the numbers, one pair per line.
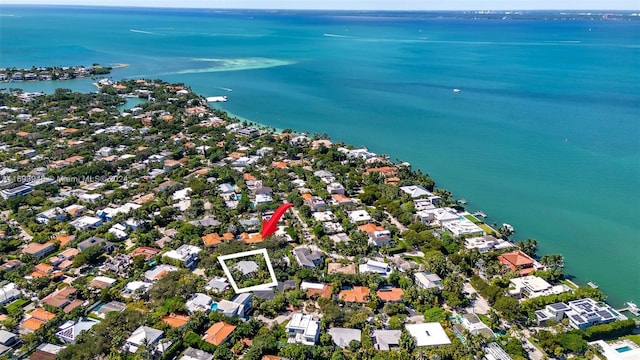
338, 36
225, 89
143, 32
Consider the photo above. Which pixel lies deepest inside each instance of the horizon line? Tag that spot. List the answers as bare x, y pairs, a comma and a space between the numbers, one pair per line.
305, 9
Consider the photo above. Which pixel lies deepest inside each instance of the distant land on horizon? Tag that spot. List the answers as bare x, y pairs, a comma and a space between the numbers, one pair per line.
541, 14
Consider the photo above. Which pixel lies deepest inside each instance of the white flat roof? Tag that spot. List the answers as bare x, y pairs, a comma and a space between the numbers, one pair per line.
429, 334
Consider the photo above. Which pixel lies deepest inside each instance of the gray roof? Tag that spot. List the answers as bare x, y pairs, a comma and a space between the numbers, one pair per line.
247, 267
206, 221
307, 258
92, 241
195, 354
7, 338
385, 339
343, 336
144, 332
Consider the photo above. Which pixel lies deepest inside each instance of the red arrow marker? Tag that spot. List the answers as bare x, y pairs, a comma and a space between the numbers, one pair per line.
269, 227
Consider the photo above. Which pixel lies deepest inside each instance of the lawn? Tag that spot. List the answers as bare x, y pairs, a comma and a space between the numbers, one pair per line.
417, 259
487, 229
569, 283
20, 303
635, 338
473, 219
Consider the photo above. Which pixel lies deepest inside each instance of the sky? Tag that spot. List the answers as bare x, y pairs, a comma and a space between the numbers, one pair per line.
359, 4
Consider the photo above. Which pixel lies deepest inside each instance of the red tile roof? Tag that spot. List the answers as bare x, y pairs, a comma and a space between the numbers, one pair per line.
218, 333
394, 294
359, 294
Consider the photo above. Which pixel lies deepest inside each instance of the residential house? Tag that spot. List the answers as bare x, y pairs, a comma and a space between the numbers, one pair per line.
378, 235
335, 188
475, 326
46, 351
240, 306
532, 286
315, 289
315, 203
9, 293
101, 282
175, 320
187, 255
217, 285
218, 333
389, 294
20, 190
377, 267
55, 213
416, 191
75, 210
486, 243
142, 336
36, 319
90, 198
37, 250
118, 264
159, 272
427, 281
339, 199
333, 268
7, 340
214, 239
520, 262
462, 226
306, 258
586, 312
552, 312
386, 339
96, 241
146, 251
86, 223
63, 298
199, 302
195, 354
343, 336
359, 217
69, 331
428, 334
493, 351
303, 329
359, 294
206, 221
247, 267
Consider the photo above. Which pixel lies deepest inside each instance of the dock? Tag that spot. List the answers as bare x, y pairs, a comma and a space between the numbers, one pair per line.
480, 213
631, 307
592, 284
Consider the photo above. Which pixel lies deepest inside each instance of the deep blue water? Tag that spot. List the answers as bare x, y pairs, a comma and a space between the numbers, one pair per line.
544, 135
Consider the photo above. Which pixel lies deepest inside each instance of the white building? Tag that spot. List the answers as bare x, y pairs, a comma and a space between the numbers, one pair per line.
186, 254
587, 312
55, 213
86, 223
619, 350
359, 216
427, 281
199, 302
428, 334
416, 191
303, 329
142, 336
486, 243
532, 286
70, 330
377, 267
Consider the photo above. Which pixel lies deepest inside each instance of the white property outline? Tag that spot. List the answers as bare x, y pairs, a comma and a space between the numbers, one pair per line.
266, 286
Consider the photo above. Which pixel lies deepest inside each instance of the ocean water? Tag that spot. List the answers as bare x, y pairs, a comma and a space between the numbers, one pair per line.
544, 134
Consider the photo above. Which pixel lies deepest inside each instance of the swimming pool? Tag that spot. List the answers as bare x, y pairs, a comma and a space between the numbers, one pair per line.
214, 306
623, 349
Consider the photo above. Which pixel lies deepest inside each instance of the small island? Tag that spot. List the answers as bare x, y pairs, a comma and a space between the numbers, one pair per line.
53, 73
113, 219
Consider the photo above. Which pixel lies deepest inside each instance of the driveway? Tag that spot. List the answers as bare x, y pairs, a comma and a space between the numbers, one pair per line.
479, 305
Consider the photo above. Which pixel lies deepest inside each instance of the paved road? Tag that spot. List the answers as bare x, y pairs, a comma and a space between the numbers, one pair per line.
395, 222
23, 234
479, 305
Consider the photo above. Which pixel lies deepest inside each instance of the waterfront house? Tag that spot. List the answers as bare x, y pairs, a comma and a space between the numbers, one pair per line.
532, 286
520, 262
416, 191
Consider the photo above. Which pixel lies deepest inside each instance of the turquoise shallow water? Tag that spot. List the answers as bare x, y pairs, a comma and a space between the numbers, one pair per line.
544, 135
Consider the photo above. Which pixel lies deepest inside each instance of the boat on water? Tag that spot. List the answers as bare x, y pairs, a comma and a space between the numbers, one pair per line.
480, 213
456, 90
217, 99
508, 227
592, 284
